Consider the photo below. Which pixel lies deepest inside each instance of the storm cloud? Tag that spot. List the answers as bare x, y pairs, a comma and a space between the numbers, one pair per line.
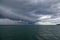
31, 11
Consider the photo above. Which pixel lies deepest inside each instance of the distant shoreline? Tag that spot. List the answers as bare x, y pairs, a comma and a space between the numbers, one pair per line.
57, 24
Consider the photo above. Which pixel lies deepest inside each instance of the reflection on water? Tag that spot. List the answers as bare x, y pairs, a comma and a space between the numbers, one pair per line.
30, 32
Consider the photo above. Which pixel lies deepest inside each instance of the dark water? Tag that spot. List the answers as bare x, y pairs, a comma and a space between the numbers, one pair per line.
29, 32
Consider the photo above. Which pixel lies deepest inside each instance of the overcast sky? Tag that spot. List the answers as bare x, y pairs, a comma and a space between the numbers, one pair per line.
42, 12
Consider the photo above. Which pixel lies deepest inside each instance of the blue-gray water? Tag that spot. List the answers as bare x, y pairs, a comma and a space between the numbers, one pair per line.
29, 32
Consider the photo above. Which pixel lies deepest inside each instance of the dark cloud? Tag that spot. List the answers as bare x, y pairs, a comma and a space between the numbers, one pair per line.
26, 10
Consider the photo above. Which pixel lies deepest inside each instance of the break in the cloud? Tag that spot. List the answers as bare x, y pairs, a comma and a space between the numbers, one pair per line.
48, 20
31, 11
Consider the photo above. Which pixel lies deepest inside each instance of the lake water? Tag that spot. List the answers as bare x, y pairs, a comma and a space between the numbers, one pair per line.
29, 32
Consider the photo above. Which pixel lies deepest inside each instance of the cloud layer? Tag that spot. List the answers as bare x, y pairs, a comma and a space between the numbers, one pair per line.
31, 11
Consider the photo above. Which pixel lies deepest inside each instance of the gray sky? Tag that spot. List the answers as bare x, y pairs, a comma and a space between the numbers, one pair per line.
42, 12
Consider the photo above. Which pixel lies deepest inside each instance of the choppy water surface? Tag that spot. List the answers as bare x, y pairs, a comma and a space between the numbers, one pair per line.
30, 32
